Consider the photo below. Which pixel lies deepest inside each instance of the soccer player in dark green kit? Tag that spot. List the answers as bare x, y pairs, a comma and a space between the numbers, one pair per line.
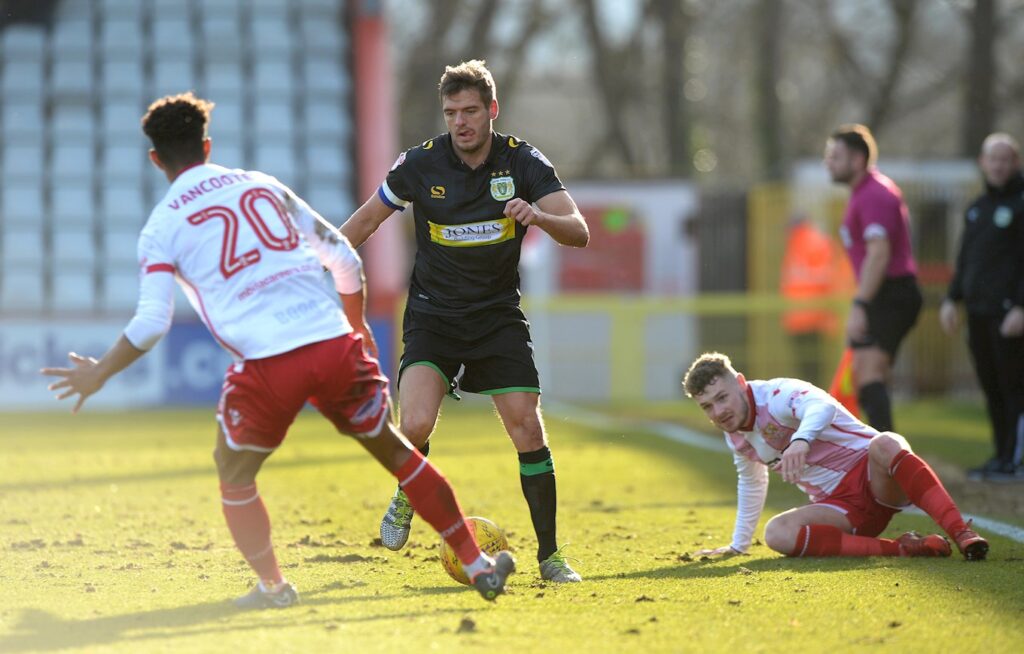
474, 194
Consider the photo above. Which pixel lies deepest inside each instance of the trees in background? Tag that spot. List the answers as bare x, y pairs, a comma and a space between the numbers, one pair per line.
725, 88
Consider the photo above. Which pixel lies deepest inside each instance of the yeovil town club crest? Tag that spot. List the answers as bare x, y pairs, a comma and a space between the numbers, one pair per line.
503, 188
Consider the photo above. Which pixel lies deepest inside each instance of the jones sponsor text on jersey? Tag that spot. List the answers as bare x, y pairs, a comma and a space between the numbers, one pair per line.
487, 232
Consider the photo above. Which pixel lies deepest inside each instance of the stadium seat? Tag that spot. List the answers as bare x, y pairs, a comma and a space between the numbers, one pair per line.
323, 76
172, 75
332, 203
73, 122
22, 120
72, 161
325, 119
319, 5
228, 153
120, 289
72, 38
23, 42
223, 80
72, 78
81, 11
222, 7
73, 246
24, 244
22, 289
121, 8
122, 206
23, 202
121, 39
172, 36
222, 35
122, 79
23, 161
271, 35
22, 78
120, 245
320, 34
274, 118
73, 205
274, 79
74, 288
277, 160
327, 160
121, 118
123, 162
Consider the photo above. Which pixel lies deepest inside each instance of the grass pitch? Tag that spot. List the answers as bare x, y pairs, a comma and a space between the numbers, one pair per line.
112, 541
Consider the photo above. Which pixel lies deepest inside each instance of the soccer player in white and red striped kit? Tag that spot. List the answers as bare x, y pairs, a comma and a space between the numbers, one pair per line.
249, 255
856, 477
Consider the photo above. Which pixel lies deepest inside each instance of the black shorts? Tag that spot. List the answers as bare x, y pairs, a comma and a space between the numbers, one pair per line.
892, 314
488, 352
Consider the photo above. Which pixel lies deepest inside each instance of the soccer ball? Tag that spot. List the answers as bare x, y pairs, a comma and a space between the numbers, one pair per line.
489, 537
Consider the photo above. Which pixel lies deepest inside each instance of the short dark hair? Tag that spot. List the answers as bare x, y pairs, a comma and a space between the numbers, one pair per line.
176, 124
859, 139
468, 75
705, 370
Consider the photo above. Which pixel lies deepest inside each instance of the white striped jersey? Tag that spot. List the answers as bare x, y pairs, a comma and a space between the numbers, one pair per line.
783, 409
249, 255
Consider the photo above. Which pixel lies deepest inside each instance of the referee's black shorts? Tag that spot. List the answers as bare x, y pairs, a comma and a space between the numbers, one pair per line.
488, 351
892, 314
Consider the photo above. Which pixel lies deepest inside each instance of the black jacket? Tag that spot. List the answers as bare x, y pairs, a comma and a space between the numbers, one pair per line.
989, 275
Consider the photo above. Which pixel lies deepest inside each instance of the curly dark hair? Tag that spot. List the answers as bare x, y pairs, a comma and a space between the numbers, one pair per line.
177, 124
705, 370
468, 75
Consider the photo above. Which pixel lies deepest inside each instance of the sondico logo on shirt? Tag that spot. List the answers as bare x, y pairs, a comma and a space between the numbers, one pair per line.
471, 235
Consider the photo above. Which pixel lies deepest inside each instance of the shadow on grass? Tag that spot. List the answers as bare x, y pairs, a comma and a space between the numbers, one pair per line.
37, 630
716, 568
179, 473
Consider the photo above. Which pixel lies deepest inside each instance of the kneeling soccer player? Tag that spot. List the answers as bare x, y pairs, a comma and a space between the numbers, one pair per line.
257, 284
856, 477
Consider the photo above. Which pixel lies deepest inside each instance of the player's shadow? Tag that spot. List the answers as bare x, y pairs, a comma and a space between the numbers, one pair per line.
37, 630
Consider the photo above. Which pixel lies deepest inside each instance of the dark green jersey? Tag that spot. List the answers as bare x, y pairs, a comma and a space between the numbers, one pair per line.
467, 250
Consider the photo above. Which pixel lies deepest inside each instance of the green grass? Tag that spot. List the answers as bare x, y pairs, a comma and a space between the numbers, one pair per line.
112, 541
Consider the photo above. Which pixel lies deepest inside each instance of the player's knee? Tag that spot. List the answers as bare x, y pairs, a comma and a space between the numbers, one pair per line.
417, 427
884, 447
780, 534
527, 435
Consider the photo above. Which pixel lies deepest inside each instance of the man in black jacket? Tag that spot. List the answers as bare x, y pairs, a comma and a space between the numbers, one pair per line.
989, 280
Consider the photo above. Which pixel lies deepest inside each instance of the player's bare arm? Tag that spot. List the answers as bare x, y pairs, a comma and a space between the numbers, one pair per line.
365, 221
354, 306
872, 274
88, 375
555, 213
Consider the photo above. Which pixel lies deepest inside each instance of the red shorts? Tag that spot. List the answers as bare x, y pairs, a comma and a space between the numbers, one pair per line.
854, 499
261, 397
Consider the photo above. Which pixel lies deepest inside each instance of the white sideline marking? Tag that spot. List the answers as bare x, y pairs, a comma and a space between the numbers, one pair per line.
680, 434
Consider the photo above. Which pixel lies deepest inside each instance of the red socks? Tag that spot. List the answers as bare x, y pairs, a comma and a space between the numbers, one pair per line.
432, 497
250, 527
925, 490
826, 540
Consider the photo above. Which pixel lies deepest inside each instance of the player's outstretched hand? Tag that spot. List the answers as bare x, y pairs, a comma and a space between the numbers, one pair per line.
521, 211
81, 380
717, 553
792, 462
